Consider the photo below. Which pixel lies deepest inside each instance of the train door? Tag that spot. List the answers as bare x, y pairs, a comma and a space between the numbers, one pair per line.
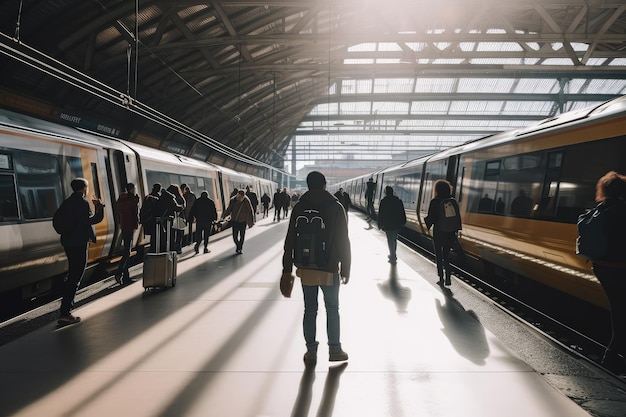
123, 169
94, 170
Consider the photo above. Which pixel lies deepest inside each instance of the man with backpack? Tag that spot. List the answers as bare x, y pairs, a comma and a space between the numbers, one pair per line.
317, 243
391, 217
443, 213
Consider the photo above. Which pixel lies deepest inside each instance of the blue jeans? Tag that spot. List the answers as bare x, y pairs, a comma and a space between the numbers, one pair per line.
331, 301
392, 242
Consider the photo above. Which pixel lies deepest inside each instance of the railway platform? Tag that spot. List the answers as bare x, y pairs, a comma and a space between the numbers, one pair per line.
224, 342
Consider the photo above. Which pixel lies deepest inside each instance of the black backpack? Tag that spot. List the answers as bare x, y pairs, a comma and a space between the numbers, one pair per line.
62, 219
593, 241
449, 217
311, 243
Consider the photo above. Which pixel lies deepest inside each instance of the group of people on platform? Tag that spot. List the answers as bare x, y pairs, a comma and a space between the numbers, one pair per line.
181, 201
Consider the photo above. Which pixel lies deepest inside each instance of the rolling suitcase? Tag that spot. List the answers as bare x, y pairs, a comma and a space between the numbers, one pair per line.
159, 269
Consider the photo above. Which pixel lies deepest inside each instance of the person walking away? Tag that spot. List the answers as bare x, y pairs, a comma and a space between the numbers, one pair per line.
370, 191
611, 268
128, 219
204, 213
444, 235
148, 215
278, 204
286, 200
391, 217
253, 200
335, 266
190, 198
240, 210
168, 205
344, 199
75, 240
265, 200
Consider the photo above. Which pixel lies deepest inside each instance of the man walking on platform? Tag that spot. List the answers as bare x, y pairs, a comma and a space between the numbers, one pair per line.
391, 217
334, 266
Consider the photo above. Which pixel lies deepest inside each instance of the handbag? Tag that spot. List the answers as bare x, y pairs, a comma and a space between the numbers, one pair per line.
286, 284
179, 223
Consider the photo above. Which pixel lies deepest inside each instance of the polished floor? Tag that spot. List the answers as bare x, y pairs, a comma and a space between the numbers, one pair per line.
225, 343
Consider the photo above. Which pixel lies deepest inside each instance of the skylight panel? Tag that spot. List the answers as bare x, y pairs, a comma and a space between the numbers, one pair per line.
363, 47
356, 107
434, 85
358, 61
527, 108
498, 46
618, 62
448, 61
539, 86
429, 107
606, 86
475, 107
389, 47
388, 61
557, 61
390, 107
485, 85
393, 85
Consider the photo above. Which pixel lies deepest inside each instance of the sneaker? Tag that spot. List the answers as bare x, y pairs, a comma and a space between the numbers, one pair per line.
336, 355
310, 357
206, 250
69, 319
448, 283
118, 278
196, 248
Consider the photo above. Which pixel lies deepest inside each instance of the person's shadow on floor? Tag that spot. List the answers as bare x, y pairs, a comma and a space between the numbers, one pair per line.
302, 404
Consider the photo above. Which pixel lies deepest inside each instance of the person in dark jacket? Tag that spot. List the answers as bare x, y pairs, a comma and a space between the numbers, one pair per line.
391, 217
168, 205
370, 192
76, 243
611, 269
443, 241
286, 200
278, 204
189, 198
128, 218
148, 214
204, 213
328, 278
177, 234
344, 199
265, 200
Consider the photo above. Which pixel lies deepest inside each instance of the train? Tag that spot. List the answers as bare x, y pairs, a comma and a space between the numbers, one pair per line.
520, 193
38, 160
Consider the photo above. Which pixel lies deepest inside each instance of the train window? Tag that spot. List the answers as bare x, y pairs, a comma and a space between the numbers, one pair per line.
8, 198
38, 180
6, 162
95, 187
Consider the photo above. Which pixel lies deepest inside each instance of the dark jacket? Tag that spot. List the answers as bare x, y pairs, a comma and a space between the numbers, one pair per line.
339, 242
278, 200
128, 211
616, 221
253, 198
433, 218
167, 205
344, 199
240, 211
82, 229
391, 214
265, 199
203, 210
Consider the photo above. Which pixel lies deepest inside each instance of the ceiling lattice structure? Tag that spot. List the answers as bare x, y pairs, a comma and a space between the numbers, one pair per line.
189, 75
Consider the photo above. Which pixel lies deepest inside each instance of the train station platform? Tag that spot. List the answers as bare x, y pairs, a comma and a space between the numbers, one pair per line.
224, 342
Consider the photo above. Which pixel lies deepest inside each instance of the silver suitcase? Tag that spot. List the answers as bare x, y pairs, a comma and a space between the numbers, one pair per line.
159, 269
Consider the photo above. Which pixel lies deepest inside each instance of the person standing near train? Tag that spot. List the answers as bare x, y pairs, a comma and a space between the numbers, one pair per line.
611, 268
370, 191
443, 213
190, 198
75, 238
204, 212
128, 218
265, 200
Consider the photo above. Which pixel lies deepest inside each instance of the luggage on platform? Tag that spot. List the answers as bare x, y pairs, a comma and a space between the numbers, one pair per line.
159, 269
